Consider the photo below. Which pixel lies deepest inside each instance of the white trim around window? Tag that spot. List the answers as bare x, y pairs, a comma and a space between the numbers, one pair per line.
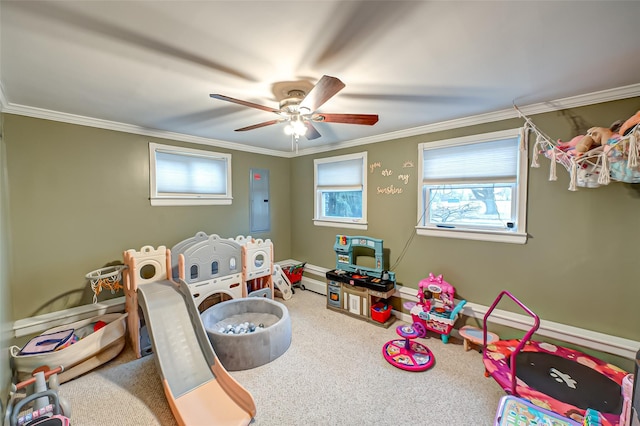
505, 157
188, 177
337, 179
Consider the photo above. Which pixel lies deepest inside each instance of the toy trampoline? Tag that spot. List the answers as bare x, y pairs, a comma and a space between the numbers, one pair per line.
559, 379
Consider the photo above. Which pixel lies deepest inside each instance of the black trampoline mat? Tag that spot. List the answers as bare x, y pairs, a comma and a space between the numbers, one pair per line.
569, 381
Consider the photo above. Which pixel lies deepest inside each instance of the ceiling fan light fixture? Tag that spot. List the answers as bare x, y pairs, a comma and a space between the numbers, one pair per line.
299, 128
295, 127
288, 130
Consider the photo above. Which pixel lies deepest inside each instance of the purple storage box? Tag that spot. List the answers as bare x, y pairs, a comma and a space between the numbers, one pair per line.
46, 342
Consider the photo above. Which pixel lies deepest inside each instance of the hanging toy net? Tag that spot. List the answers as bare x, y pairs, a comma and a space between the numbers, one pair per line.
108, 278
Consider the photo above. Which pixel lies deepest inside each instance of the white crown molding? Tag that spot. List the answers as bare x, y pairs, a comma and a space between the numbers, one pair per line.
615, 94
543, 107
129, 128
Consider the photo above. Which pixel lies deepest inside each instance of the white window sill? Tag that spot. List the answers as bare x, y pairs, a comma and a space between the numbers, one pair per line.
189, 201
339, 224
466, 234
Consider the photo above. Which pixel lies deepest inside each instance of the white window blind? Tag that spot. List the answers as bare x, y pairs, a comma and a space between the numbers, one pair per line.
185, 176
495, 161
340, 173
190, 174
340, 185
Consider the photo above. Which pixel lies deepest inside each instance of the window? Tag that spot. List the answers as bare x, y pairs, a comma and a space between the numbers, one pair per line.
474, 187
341, 191
183, 176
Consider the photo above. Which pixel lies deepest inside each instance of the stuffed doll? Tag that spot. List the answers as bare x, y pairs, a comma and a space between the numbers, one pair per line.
566, 146
597, 136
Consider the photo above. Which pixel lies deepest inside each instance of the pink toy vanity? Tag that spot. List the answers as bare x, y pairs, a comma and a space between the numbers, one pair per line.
436, 309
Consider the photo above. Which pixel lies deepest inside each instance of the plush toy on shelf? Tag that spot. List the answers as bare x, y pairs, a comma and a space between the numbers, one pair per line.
597, 136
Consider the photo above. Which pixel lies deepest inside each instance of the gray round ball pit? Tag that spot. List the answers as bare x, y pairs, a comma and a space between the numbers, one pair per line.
245, 351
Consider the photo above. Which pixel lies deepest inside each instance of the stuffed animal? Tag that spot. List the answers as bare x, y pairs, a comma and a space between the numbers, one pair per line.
566, 146
597, 136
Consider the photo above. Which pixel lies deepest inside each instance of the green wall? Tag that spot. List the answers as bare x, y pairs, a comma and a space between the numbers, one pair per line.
579, 266
79, 197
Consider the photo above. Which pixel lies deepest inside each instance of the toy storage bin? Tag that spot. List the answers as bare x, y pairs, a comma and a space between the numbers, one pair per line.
87, 353
380, 311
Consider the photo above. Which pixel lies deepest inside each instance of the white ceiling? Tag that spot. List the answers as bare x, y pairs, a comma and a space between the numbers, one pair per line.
149, 66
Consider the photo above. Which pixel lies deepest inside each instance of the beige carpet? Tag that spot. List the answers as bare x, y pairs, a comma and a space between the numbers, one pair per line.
333, 374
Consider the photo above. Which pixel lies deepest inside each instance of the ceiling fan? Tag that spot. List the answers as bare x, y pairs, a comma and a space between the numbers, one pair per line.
298, 108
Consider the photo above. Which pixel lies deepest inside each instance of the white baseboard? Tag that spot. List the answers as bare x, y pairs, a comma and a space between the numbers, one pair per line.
40, 323
601, 342
317, 286
619, 346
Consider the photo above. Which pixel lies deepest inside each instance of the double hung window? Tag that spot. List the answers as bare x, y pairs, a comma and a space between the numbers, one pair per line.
341, 191
474, 187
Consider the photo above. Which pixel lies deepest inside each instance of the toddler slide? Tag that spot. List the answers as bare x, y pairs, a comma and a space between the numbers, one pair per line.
281, 282
198, 388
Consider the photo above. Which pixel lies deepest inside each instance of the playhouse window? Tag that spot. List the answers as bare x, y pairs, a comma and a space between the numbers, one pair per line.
194, 272
341, 191
214, 268
474, 187
183, 176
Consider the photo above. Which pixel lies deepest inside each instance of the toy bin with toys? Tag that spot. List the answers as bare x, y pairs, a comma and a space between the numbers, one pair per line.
78, 347
380, 312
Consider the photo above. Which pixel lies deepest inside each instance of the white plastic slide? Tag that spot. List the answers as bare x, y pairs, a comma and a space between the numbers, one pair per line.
198, 388
281, 282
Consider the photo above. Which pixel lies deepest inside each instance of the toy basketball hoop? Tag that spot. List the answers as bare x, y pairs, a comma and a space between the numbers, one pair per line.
105, 278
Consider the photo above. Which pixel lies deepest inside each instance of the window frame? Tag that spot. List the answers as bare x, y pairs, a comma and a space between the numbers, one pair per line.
318, 218
521, 191
187, 199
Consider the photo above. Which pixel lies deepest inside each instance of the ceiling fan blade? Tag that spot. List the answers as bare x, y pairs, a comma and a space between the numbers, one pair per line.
364, 119
244, 103
257, 126
324, 90
312, 132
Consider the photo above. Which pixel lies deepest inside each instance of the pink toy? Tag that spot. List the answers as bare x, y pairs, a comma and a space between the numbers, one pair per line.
439, 312
563, 380
627, 393
570, 144
407, 354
